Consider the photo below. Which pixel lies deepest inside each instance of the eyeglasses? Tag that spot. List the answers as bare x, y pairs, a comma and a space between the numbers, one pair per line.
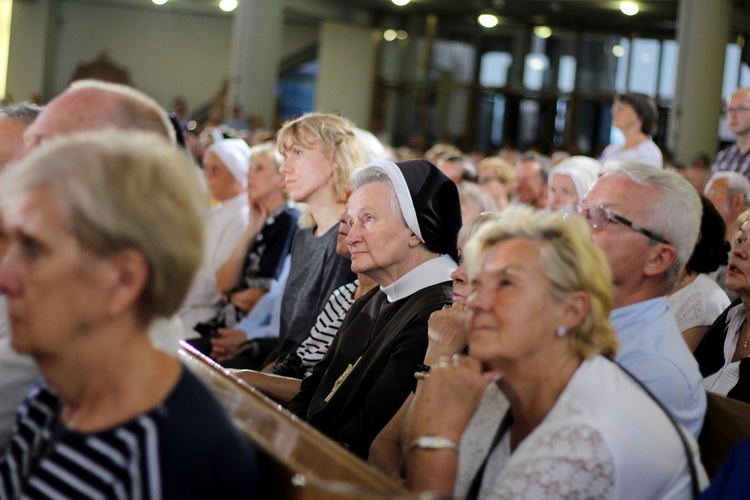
739, 109
599, 216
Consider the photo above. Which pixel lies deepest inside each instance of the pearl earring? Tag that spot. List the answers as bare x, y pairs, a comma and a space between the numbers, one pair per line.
561, 331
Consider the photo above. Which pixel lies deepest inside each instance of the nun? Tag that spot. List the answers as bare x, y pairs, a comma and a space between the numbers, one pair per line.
404, 219
570, 180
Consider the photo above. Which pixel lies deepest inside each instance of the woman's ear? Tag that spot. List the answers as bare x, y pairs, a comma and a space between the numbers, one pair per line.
130, 274
576, 307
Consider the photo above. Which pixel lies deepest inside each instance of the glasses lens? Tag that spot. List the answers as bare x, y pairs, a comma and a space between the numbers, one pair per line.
598, 217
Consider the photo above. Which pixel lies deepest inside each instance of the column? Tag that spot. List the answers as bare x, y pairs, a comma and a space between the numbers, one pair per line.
254, 57
702, 33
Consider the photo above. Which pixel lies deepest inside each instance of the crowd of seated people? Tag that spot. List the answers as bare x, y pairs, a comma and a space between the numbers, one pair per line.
344, 318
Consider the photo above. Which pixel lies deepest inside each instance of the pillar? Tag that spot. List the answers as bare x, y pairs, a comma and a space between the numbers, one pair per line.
702, 33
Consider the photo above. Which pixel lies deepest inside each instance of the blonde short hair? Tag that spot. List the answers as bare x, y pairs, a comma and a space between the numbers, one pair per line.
569, 259
504, 171
336, 136
124, 190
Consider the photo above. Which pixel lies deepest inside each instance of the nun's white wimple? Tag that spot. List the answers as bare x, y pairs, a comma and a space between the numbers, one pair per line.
402, 194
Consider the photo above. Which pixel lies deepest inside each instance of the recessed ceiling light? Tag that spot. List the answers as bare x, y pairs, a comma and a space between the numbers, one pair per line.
543, 31
160, 2
488, 20
629, 8
228, 5
400, 3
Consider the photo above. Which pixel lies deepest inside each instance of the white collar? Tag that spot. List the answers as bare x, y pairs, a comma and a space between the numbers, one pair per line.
432, 272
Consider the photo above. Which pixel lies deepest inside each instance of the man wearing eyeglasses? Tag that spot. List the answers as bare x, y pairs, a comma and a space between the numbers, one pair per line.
736, 158
646, 221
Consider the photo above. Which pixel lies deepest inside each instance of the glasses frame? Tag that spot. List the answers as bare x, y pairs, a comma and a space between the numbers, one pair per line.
611, 216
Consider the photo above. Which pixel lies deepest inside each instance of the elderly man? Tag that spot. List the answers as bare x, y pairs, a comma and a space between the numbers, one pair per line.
736, 158
90, 105
728, 191
18, 372
404, 219
532, 171
646, 221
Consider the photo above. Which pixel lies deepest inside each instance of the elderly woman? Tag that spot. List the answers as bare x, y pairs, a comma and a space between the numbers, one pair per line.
258, 259
569, 181
447, 335
225, 166
724, 352
567, 422
404, 218
87, 269
636, 116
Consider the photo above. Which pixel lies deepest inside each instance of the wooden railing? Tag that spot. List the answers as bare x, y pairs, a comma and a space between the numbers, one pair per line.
298, 461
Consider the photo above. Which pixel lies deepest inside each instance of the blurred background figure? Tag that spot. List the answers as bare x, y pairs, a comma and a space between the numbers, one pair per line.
570, 180
497, 177
636, 116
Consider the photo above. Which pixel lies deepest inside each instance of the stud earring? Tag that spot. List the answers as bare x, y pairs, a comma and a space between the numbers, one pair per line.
561, 331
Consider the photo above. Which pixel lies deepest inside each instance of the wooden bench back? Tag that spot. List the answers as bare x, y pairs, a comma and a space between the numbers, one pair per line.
727, 423
298, 460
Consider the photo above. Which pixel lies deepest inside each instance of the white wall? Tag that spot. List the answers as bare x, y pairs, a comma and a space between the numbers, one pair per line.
166, 53
345, 83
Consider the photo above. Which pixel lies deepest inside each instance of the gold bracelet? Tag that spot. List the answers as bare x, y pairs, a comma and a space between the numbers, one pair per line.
433, 443
421, 375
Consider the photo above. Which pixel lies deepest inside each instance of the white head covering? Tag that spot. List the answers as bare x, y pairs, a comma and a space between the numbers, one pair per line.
235, 155
583, 170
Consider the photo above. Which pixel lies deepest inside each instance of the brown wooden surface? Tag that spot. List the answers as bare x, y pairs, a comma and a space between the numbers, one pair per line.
727, 423
298, 460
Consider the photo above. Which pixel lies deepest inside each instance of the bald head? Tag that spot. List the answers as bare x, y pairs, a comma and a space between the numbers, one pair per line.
90, 106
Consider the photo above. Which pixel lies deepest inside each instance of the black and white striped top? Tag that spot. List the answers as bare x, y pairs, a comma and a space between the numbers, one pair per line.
315, 346
160, 454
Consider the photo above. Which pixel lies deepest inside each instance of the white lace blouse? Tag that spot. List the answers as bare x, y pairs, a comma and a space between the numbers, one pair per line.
698, 304
604, 438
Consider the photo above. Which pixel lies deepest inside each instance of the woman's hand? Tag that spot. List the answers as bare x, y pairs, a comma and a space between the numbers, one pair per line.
224, 346
446, 400
447, 330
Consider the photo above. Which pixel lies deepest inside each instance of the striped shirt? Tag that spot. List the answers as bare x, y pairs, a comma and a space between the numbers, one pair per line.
314, 347
731, 159
144, 458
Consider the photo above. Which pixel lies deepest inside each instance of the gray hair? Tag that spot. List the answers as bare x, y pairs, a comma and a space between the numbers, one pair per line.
676, 215
736, 182
373, 174
110, 186
24, 112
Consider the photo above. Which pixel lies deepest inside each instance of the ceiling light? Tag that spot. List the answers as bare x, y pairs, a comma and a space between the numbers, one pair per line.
618, 51
400, 3
228, 5
488, 20
543, 31
160, 2
389, 35
402, 35
629, 8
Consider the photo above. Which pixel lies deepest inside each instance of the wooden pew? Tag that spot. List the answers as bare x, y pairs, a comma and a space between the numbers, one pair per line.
298, 460
727, 423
